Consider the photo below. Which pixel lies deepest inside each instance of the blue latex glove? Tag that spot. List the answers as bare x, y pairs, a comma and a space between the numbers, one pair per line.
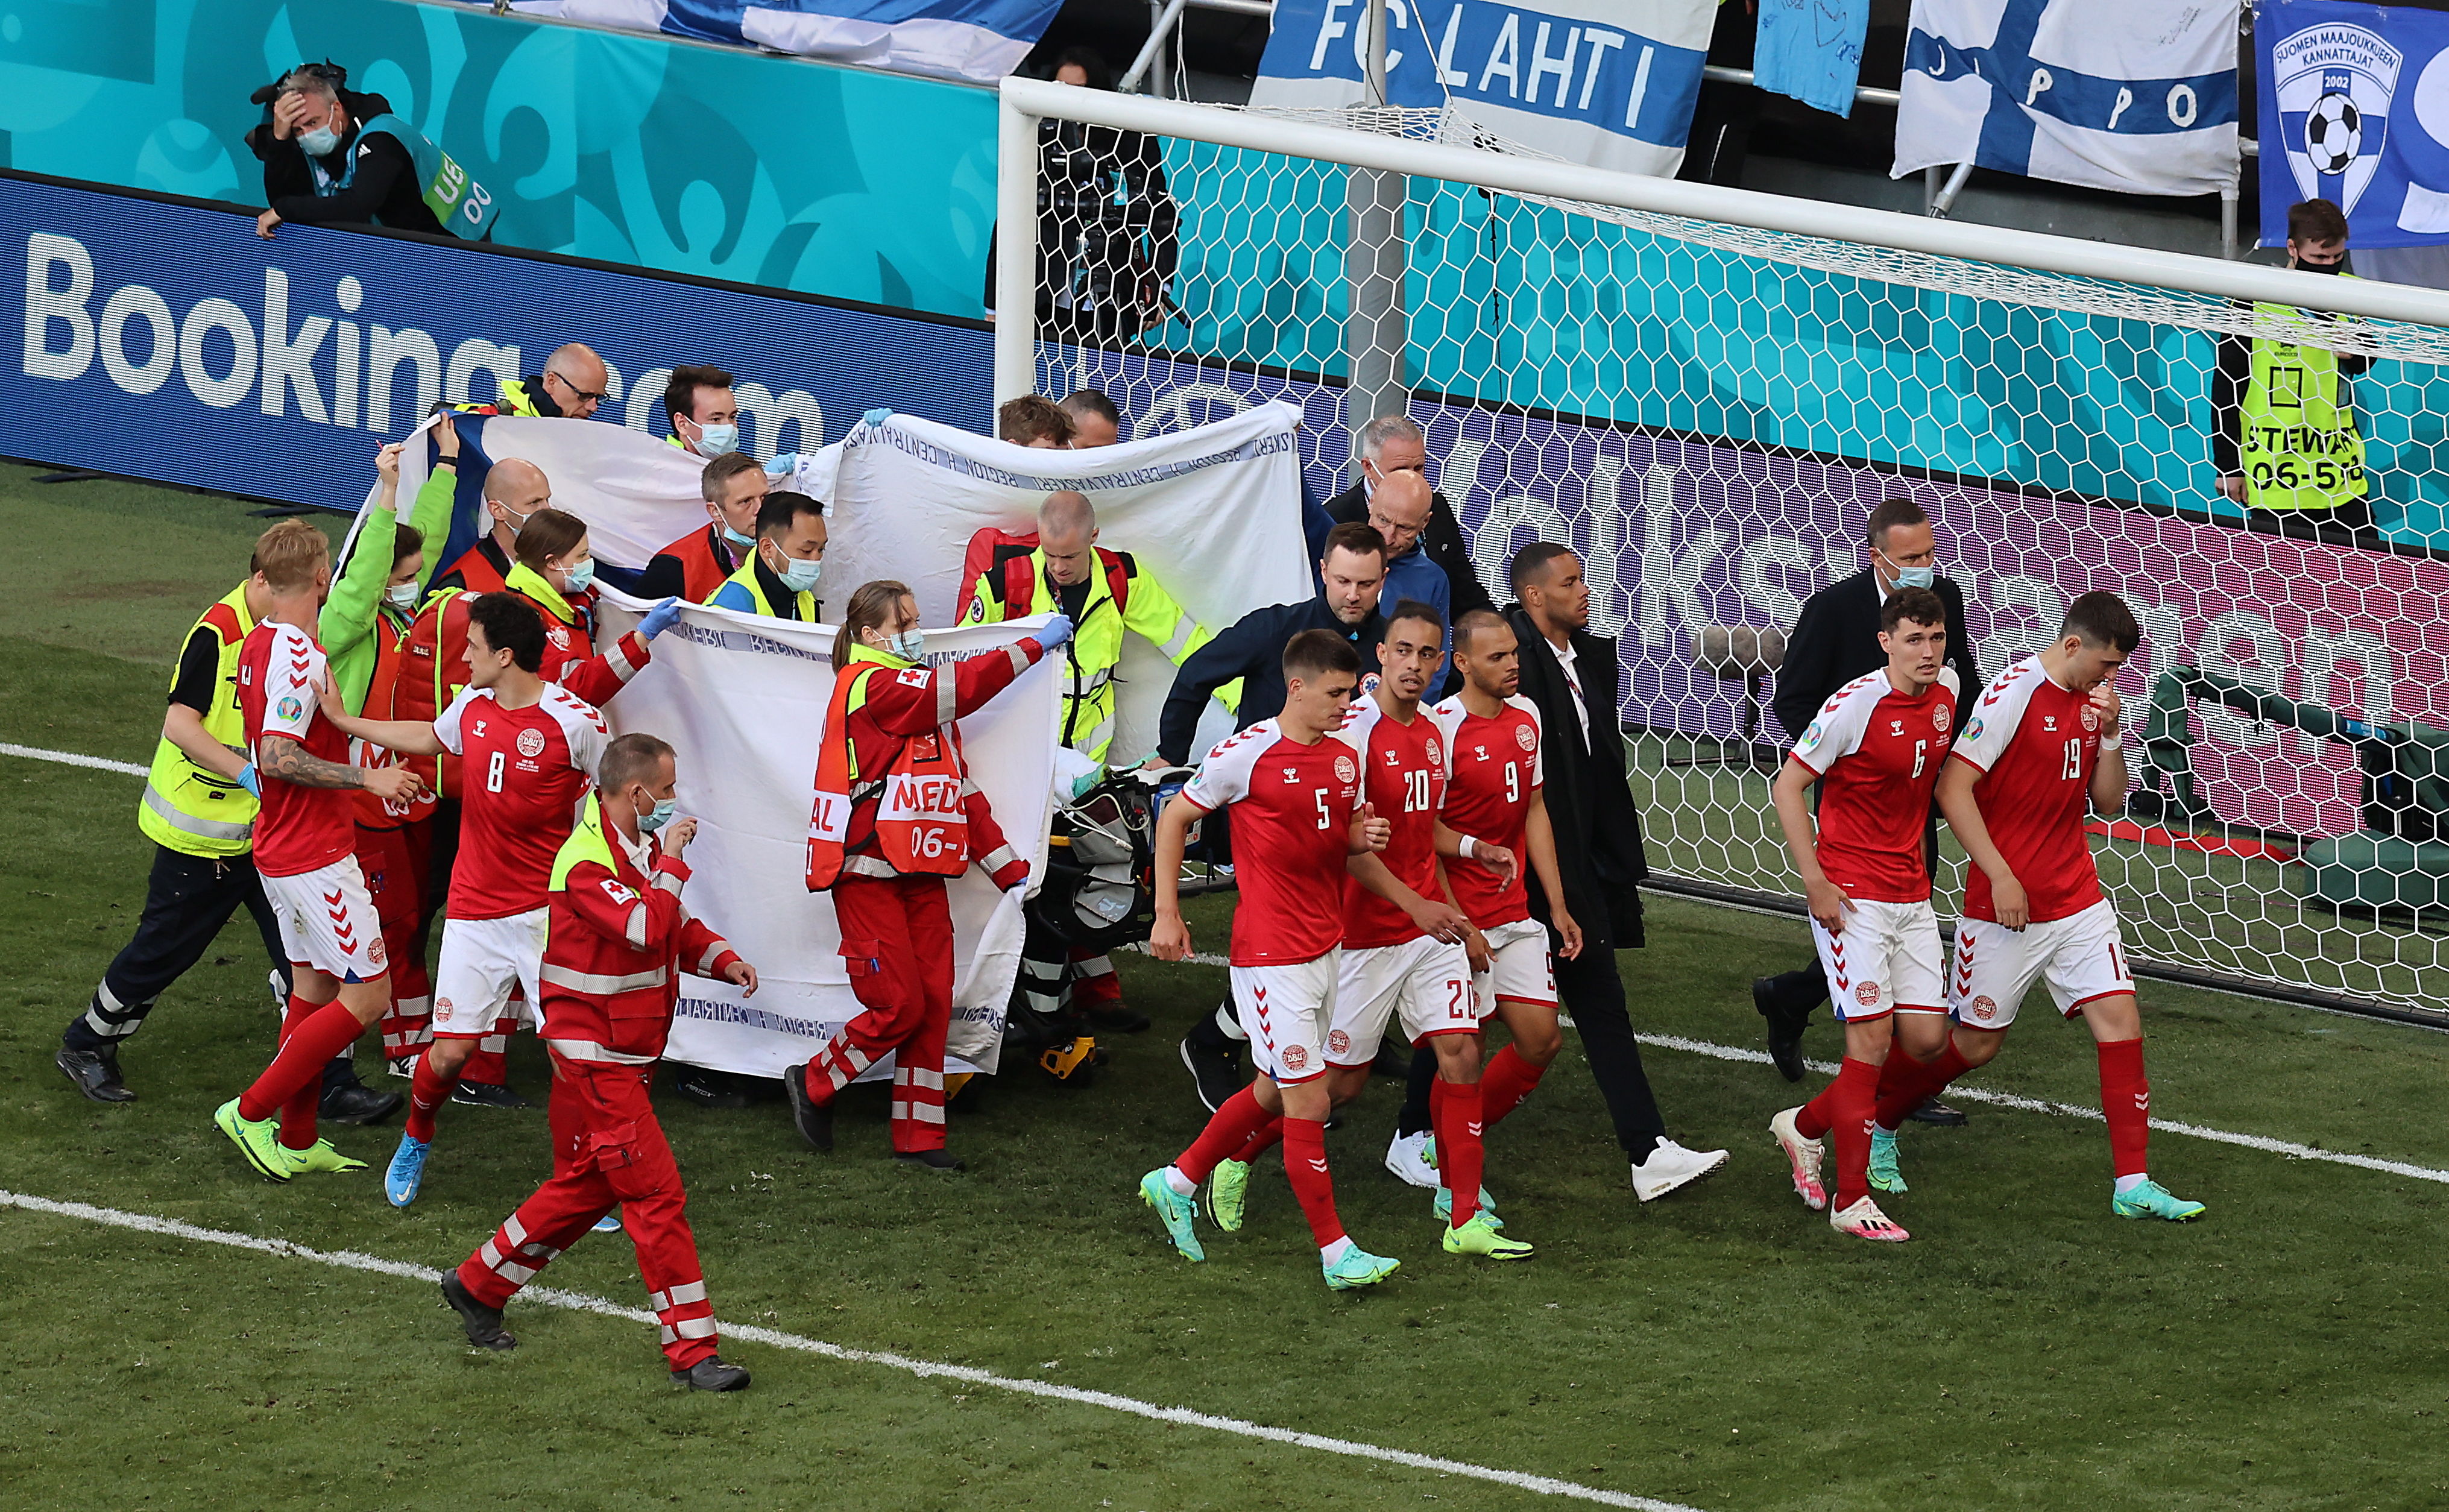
876, 416
250, 781
660, 618
783, 464
1058, 631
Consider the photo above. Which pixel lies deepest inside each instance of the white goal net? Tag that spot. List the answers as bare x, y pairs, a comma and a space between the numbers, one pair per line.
1704, 393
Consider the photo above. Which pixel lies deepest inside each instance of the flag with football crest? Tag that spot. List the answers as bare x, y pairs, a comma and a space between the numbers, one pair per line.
2355, 109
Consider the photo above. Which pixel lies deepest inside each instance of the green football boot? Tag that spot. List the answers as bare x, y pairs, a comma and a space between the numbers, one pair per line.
256, 1139
1884, 1174
1479, 1237
1228, 1192
2153, 1200
1358, 1268
1176, 1209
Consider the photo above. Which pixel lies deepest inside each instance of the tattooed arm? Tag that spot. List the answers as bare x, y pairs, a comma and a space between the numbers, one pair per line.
285, 758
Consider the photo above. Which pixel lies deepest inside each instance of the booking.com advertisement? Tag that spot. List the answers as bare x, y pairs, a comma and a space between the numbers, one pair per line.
191, 351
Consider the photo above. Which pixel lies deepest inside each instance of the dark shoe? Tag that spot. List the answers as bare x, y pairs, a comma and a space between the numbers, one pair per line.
1119, 1019
354, 1102
1394, 1058
95, 1073
932, 1160
710, 1089
1216, 1072
814, 1120
1784, 1028
484, 1324
713, 1373
487, 1095
1938, 1113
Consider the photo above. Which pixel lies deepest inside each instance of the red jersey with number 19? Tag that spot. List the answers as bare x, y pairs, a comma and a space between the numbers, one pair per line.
1493, 767
523, 773
299, 828
2034, 743
1405, 775
1878, 754
1292, 817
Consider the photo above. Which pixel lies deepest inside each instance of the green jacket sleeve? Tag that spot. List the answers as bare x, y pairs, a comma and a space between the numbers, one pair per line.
435, 502
1153, 613
346, 626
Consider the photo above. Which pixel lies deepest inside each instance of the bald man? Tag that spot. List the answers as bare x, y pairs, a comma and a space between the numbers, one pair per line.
1399, 509
515, 490
1105, 593
574, 381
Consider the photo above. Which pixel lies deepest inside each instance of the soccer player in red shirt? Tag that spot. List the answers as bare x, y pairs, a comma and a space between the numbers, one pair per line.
1294, 788
305, 848
1876, 749
527, 751
2042, 738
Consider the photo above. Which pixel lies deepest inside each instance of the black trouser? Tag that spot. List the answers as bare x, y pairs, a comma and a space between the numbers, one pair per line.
188, 901
1807, 987
1590, 992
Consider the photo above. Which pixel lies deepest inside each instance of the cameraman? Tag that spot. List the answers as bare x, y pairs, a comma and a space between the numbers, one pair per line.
321, 164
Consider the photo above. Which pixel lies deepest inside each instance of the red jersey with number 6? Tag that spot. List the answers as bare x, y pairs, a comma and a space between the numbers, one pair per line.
1292, 819
524, 771
1493, 767
299, 828
2034, 743
1878, 754
1404, 767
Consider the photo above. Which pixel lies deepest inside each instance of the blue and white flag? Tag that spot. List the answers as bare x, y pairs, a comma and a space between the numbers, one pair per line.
2133, 95
2355, 109
1811, 51
1608, 83
979, 40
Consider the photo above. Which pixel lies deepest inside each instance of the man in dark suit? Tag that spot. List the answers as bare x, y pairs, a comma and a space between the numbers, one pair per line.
1836, 640
1391, 443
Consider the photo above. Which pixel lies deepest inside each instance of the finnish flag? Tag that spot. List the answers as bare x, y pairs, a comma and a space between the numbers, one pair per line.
2133, 95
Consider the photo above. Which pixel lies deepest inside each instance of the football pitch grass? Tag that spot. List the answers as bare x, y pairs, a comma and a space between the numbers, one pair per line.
1720, 1349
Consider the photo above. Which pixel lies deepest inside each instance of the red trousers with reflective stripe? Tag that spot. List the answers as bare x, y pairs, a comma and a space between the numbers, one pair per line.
394, 863
898, 943
607, 1149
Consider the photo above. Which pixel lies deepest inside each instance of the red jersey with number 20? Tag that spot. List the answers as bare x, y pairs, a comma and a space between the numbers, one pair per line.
524, 772
2034, 743
299, 828
1292, 819
1878, 754
1404, 771
1493, 767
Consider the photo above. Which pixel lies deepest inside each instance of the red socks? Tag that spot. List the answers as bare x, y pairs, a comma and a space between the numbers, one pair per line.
1906, 1083
314, 1037
1455, 1112
2126, 1099
426, 1092
1269, 1135
1234, 1124
1306, 1163
1844, 1108
1506, 1081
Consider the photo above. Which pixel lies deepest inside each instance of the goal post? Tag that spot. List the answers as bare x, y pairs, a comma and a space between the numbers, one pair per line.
1704, 389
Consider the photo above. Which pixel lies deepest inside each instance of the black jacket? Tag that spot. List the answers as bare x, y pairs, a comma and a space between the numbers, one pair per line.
1836, 639
1443, 540
1252, 649
1599, 853
386, 191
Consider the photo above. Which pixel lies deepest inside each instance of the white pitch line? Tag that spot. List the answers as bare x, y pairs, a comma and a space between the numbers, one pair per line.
932, 1369
2067, 1110
70, 758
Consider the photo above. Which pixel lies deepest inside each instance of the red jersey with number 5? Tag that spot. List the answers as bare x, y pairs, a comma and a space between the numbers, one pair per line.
1493, 767
1405, 775
1878, 754
524, 772
2034, 743
1292, 819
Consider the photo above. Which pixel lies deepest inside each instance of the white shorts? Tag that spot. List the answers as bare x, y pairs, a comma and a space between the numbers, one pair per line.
1285, 1010
328, 921
1426, 980
1888, 960
1518, 967
2079, 956
481, 960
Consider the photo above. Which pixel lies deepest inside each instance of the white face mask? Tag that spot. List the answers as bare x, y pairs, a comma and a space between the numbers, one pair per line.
713, 440
577, 579
910, 645
319, 141
401, 596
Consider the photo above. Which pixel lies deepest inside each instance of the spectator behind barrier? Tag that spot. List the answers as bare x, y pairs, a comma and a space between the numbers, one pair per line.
705, 417
1033, 419
1094, 421
321, 166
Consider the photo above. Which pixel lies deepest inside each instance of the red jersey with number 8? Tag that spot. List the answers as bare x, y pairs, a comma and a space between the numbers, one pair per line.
523, 773
1292, 819
1877, 755
2034, 743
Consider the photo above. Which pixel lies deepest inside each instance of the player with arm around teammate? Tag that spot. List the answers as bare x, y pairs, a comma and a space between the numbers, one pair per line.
2043, 738
1294, 785
1876, 748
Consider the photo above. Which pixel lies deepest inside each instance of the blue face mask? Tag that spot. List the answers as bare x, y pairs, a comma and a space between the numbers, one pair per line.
799, 576
910, 645
580, 576
1917, 576
319, 141
648, 824
739, 542
713, 440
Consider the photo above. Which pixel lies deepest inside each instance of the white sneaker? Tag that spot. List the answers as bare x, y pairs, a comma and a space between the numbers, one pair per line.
1804, 1156
1865, 1220
1670, 1166
1408, 1157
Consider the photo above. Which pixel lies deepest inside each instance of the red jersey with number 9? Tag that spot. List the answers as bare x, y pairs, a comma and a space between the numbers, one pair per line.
2034, 743
1403, 770
524, 772
1292, 819
1493, 767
